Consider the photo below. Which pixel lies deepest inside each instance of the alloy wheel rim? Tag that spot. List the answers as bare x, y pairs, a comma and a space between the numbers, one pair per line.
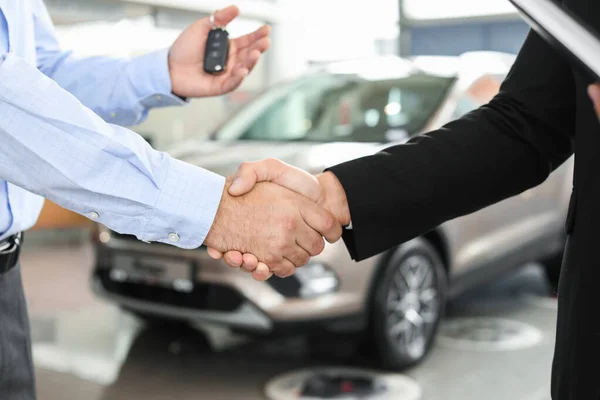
412, 305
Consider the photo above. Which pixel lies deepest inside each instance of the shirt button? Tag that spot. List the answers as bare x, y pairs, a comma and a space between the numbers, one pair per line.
93, 215
158, 97
173, 237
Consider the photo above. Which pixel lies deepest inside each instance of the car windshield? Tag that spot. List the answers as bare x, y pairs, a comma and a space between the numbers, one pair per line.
327, 108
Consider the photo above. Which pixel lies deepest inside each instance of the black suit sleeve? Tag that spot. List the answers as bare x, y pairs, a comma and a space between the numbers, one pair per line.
495, 152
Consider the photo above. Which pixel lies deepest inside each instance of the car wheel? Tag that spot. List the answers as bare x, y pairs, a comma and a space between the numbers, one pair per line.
552, 266
408, 304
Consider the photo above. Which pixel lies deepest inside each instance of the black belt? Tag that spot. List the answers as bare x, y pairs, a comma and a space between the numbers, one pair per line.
9, 252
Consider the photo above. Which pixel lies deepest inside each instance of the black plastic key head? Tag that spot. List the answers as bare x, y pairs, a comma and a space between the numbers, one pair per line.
216, 51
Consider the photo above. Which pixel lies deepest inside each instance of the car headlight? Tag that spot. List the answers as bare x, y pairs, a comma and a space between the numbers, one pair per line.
316, 279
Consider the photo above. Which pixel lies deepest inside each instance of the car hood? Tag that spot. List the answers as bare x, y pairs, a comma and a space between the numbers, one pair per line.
225, 157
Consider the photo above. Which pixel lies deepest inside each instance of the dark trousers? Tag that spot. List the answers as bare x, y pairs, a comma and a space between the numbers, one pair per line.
17, 379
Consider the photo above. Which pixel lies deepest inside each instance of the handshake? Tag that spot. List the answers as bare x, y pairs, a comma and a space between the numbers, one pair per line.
273, 217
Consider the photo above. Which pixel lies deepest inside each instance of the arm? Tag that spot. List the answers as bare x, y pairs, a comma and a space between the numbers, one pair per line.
495, 152
122, 91
57, 148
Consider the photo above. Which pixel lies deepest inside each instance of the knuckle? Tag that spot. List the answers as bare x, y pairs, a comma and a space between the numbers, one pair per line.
328, 222
272, 259
290, 223
243, 167
272, 161
282, 247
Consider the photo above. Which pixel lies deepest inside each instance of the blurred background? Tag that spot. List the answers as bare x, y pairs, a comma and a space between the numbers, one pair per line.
342, 79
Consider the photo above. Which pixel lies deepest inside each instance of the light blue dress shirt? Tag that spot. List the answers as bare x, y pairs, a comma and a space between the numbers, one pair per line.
61, 138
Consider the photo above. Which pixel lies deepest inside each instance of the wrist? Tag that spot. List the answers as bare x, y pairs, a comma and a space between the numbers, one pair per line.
173, 78
215, 237
334, 197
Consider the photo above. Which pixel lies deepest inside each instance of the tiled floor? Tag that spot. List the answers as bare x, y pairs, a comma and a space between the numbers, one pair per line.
88, 350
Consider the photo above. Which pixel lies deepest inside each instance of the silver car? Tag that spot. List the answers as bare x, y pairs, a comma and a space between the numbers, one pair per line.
335, 113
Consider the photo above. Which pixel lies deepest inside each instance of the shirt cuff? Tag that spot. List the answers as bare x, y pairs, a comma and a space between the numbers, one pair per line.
186, 207
153, 81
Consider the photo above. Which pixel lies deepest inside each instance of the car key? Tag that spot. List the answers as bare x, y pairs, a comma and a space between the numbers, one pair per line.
216, 51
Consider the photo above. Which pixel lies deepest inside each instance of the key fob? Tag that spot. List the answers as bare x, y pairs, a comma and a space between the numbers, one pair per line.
216, 51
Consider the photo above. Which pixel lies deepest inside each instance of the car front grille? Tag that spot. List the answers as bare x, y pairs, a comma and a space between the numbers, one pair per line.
206, 297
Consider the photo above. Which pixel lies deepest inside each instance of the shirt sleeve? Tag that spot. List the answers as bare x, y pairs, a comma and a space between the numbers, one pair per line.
54, 146
495, 152
121, 91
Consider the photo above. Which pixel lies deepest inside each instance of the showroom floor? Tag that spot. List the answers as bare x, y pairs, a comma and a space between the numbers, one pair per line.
88, 350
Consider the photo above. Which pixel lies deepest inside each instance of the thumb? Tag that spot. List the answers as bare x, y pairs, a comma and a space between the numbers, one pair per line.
278, 172
226, 15
594, 93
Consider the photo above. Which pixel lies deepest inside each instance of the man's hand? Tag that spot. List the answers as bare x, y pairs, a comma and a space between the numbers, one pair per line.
594, 92
186, 57
279, 227
324, 190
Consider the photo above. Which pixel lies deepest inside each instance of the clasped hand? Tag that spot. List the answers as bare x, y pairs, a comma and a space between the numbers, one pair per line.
273, 217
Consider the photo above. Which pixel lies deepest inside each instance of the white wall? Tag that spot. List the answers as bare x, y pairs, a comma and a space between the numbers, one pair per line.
437, 9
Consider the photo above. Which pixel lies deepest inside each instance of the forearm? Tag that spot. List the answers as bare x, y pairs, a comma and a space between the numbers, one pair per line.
409, 189
55, 147
121, 91
493, 153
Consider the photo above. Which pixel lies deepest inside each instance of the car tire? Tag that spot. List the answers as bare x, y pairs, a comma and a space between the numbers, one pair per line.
552, 266
414, 283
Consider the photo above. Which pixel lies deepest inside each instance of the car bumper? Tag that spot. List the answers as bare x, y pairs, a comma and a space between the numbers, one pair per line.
244, 317
225, 295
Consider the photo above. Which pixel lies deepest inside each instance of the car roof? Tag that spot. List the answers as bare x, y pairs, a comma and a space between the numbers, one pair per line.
390, 67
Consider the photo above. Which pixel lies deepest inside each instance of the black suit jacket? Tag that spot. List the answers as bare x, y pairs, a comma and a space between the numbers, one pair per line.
541, 115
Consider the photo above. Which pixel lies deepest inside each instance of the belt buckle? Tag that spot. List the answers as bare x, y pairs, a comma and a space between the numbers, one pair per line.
11, 245
9, 253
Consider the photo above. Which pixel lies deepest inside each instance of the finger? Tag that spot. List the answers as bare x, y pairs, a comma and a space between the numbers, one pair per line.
234, 80
262, 272
250, 262
261, 46
251, 60
320, 220
275, 171
247, 40
233, 259
214, 253
300, 256
226, 15
284, 268
594, 93
248, 59
311, 242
